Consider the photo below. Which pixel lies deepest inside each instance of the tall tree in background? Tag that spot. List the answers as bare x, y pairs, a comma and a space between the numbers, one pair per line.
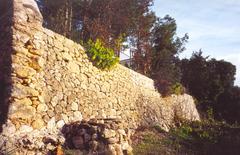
195, 75
156, 50
58, 15
207, 79
166, 47
112, 21
142, 44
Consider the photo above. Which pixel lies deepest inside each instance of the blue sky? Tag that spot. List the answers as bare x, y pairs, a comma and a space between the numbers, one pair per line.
212, 25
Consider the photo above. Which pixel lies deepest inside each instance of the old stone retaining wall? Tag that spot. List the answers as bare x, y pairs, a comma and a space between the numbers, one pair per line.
54, 83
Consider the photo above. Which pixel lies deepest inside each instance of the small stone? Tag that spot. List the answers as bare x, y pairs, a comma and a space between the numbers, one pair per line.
77, 116
54, 101
58, 109
122, 132
50, 113
36, 52
19, 91
71, 98
42, 108
51, 124
111, 150
61, 139
112, 140
94, 136
41, 99
66, 56
79, 152
94, 145
19, 111
38, 124
37, 63
108, 133
25, 129
50, 147
118, 149
74, 106
73, 67
23, 72
24, 101
87, 137
46, 118
129, 150
113, 113
65, 118
8, 129
125, 145
78, 142
60, 124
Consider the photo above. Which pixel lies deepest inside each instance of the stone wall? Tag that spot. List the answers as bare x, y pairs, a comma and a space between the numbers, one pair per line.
54, 83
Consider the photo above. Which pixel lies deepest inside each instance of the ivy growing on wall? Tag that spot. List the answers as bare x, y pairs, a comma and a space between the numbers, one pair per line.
101, 56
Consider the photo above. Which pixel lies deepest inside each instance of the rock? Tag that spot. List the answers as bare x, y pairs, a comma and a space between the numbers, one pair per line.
38, 124
50, 113
19, 91
23, 71
25, 129
74, 106
54, 101
19, 111
24, 101
108, 133
51, 124
71, 98
73, 67
46, 118
122, 132
77, 116
37, 63
41, 99
113, 113
125, 146
58, 109
42, 108
8, 129
60, 124
119, 150
87, 137
185, 108
111, 150
50, 147
27, 11
58, 44
129, 150
66, 56
78, 142
94, 145
36, 52
112, 140
65, 118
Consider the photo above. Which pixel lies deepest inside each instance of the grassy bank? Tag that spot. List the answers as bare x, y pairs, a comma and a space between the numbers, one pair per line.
205, 138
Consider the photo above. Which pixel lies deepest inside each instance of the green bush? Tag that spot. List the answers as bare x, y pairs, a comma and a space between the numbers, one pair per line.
101, 56
177, 89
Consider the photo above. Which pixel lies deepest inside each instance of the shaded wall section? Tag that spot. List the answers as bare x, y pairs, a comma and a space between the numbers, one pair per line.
6, 34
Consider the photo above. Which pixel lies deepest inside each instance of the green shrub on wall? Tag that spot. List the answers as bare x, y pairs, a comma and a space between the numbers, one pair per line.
177, 89
101, 56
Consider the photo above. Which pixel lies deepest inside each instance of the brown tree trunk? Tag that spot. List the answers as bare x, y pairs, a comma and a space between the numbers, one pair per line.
67, 28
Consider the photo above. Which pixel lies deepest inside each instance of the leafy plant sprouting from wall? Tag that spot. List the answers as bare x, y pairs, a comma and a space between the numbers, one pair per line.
101, 56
